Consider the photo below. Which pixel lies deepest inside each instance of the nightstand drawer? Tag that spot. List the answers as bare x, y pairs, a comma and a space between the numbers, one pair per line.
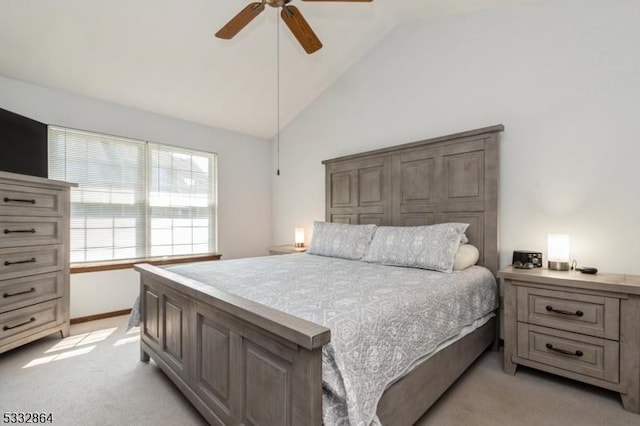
585, 355
581, 313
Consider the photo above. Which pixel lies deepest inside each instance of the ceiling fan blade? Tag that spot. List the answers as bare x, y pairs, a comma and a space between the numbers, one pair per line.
240, 21
351, 1
300, 29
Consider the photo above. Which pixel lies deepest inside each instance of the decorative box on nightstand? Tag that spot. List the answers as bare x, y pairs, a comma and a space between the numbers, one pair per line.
286, 249
584, 327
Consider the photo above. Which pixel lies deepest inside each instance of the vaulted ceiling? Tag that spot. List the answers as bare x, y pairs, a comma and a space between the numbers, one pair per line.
161, 55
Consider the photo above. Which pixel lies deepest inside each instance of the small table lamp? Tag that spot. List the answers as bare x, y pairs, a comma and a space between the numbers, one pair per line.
558, 254
299, 237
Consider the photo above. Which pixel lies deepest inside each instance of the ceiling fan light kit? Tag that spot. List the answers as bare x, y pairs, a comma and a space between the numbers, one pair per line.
290, 15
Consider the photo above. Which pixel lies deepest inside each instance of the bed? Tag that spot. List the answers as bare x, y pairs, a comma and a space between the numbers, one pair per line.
241, 358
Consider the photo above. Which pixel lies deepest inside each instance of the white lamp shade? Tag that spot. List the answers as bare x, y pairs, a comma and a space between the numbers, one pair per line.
299, 237
558, 245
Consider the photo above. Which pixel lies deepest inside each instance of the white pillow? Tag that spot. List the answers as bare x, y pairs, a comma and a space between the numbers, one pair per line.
340, 240
427, 247
466, 256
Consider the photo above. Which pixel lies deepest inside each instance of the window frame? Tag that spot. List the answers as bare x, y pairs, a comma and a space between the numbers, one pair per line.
145, 229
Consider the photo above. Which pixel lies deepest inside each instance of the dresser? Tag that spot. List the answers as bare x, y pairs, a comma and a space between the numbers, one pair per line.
34, 258
580, 326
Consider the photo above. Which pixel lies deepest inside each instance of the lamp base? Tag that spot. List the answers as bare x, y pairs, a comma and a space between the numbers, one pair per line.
555, 265
299, 245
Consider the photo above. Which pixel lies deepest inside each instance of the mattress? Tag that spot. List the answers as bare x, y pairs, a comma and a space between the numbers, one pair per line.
384, 320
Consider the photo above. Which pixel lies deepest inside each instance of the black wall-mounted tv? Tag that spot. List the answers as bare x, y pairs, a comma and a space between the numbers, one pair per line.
23, 145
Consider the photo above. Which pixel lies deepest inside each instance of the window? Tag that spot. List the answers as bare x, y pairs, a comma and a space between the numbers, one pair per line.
135, 199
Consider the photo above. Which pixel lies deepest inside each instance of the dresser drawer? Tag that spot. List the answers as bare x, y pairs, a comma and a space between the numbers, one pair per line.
25, 321
25, 291
19, 231
581, 313
18, 200
585, 355
26, 261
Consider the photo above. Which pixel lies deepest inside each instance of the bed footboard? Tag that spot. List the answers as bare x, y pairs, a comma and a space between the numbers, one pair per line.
237, 361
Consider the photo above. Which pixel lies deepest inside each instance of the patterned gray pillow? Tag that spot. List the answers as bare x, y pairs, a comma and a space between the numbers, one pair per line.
340, 240
428, 247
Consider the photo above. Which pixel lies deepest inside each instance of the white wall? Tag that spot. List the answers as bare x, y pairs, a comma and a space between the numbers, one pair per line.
563, 76
244, 185
95, 293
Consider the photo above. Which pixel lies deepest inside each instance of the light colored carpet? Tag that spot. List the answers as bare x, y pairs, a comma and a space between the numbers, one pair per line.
95, 377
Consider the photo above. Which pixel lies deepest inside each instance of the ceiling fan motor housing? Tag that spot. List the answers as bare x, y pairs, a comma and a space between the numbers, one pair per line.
277, 3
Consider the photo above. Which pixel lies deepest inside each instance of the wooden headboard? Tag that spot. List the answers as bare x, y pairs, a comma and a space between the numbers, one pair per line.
446, 179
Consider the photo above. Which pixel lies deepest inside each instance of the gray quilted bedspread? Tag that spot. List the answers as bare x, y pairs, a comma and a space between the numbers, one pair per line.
382, 318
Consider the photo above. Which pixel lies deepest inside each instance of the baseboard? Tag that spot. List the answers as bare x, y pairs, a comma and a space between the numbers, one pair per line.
100, 316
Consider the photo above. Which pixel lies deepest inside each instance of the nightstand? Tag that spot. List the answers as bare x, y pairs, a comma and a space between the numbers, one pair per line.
580, 326
286, 249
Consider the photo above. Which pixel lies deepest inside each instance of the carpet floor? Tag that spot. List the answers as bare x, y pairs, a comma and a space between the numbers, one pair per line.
94, 377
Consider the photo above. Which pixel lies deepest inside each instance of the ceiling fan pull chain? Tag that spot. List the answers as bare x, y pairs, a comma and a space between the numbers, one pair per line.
278, 94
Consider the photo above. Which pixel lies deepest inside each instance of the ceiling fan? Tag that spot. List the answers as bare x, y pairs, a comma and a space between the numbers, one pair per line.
290, 15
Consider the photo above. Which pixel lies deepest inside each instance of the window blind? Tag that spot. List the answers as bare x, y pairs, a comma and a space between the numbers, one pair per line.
135, 199
181, 201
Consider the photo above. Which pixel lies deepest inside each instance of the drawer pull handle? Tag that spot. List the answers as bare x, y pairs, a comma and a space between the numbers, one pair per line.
31, 290
6, 327
562, 351
549, 308
20, 231
18, 200
17, 262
